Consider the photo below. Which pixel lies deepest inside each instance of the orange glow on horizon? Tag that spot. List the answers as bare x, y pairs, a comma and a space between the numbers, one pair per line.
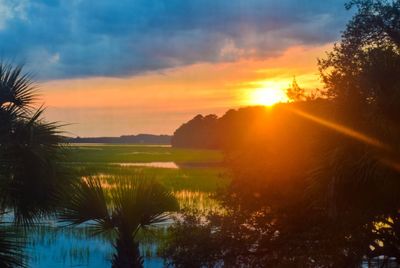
159, 101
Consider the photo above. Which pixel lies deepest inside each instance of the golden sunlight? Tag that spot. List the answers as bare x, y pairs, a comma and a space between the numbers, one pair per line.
269, 93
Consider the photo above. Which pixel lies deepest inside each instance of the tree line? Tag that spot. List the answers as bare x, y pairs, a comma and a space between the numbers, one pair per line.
237, 126
125, 139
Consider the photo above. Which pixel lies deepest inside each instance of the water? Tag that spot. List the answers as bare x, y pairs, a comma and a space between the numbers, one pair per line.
51, 244
56, 246
67, 247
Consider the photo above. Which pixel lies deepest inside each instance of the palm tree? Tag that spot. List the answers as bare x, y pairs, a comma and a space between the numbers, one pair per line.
134, 205
31, 176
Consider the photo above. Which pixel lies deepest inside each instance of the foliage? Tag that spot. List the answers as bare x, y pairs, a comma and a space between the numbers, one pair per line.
376, 22
135, 203
363, 67
30, 149
233, 129
197, 133
30, 176
309, 200
180, 250
11, 245
295, 92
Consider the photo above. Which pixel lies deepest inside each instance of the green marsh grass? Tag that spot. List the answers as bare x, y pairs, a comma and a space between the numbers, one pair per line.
140, 153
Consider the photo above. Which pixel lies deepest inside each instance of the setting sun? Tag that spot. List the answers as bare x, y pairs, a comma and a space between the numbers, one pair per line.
268, 96
268, 93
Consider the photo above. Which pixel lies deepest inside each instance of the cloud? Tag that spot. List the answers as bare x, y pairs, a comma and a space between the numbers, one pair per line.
10, 10
81, 38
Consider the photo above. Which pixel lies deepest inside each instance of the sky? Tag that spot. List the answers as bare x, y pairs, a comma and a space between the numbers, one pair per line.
110, 68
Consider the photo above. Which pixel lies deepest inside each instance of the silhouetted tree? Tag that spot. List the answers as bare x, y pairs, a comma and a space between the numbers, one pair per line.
376, 22
199, 132
233, 128
295, 92
363, 67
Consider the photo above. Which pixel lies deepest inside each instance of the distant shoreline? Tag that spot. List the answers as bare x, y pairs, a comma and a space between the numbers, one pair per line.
125, 139
84, 144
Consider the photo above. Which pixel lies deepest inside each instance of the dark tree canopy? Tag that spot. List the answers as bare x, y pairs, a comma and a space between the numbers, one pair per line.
376, 22
364, 66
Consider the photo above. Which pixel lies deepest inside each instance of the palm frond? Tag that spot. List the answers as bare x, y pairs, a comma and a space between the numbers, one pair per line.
16, 88
141, 202
87, 203
30, 157
11, 248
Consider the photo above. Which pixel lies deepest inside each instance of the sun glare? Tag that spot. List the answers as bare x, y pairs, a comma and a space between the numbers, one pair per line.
268, 94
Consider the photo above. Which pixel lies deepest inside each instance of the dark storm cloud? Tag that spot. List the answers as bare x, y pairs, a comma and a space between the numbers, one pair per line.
78, 38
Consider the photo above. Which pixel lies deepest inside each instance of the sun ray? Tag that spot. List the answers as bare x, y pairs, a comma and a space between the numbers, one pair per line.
343, 129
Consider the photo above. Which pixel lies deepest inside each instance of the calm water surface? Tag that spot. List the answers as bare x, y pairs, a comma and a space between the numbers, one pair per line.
52, 245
